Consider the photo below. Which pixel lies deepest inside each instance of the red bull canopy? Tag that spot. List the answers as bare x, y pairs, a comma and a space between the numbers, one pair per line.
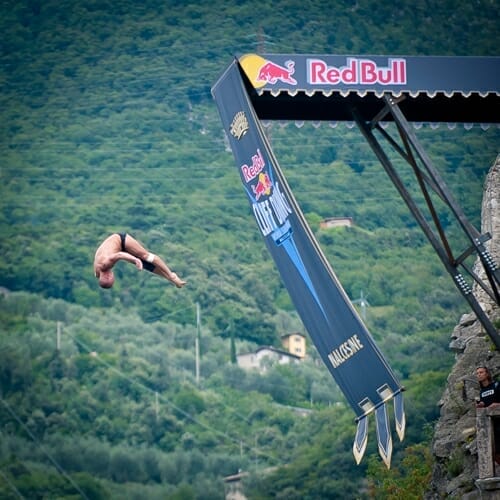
327, 87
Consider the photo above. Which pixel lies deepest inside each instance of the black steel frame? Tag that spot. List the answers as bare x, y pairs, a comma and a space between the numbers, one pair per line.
428, 177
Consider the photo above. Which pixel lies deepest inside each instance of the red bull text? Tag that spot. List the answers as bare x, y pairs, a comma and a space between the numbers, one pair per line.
357, 71
250, 172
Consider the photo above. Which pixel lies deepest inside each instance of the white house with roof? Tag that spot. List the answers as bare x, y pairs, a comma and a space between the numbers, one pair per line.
263, 356
294, 350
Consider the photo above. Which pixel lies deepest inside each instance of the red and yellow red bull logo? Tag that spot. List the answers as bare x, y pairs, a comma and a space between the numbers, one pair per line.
263, 186
255, 170
356, 71
261, 71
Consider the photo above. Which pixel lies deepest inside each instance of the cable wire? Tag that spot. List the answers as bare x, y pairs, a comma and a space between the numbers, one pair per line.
44, 451
186, 414
11, 484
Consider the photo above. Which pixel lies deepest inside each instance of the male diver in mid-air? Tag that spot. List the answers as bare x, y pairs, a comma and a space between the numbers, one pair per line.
121, 246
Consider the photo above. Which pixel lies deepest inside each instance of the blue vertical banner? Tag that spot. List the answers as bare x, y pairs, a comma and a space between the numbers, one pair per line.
342, 340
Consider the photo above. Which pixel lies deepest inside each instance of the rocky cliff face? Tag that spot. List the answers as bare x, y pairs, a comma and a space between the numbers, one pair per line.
454, 445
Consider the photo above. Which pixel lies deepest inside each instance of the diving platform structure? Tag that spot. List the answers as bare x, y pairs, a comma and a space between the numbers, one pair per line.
406, 90
385, 96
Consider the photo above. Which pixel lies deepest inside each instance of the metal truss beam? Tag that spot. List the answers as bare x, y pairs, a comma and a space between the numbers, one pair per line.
430, 181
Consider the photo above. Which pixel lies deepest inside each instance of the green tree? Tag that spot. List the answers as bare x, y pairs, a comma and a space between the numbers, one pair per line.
410, 479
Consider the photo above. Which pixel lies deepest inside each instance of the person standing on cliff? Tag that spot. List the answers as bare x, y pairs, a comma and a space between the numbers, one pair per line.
122, 246
489, 390
489, 396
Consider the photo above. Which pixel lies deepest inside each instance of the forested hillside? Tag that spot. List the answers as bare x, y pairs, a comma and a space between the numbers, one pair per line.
108, 125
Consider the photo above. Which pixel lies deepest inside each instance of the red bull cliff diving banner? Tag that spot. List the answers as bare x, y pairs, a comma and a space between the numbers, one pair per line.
343, 341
